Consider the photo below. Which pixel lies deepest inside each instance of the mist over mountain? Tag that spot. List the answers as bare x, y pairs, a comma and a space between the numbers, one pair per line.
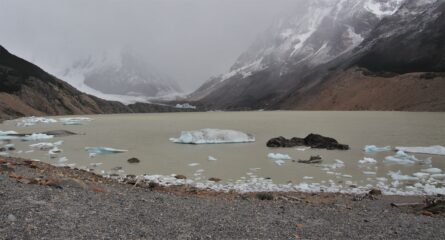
123, 73
290, 64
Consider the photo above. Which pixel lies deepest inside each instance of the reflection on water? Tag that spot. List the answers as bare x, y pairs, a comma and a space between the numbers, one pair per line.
146, 137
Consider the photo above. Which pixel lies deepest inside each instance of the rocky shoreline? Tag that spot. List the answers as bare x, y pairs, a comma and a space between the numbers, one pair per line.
43, 201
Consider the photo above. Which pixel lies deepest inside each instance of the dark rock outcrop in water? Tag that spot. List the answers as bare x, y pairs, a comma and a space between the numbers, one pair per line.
312, 140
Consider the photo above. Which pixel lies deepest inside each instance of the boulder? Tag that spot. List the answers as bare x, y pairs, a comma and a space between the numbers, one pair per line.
283, 142
312, 140
213, 179
133, 160
180, 177
312, 160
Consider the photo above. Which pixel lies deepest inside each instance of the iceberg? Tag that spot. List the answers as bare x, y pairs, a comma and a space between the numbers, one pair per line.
45, 145
435, 150
212, 158
279, 162
193, 164
36, 136
93, 151
399, 177
374, 149
367, 160
213, 136
185, 106
432, 170
279, 156
3, 133
31, 121
401, 158
74, 120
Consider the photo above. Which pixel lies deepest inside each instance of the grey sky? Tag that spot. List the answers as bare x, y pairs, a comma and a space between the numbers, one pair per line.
189, 40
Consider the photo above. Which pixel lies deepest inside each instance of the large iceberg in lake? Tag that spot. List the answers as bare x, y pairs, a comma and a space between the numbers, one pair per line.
374, 149
210, 136
93, 151
437, 150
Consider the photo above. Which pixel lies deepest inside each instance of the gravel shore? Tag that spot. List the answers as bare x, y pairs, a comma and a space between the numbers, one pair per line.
40, 201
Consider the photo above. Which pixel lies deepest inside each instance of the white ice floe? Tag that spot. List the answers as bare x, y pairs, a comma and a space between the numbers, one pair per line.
62, 160
74, 120
2, 133
46, 145
438, 176
399, 177
93, 151
278, 156
421, 175
346, 176
212, 136
193, 164
31, 121
210, 158
367, 160
36, 136
279, 162
436, 150
338, 164
401, 158
185, 106
374, 149
308, 178
369, 173
432, 170
302, 148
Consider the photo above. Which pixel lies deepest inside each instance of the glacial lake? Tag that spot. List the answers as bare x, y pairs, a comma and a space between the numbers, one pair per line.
146, 137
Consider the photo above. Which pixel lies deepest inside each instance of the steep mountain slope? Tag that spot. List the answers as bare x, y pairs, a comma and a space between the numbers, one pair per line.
291, 49
401, 67
301, 60
123, 73
25, 90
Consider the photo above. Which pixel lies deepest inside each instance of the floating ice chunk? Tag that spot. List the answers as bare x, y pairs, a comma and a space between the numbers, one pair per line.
302, 148
432, 170
36, 136
200, 170
401, 158
31, 121
185, 106
369, 173
279, 162
336, 165
62, 160
307, 178
436, 150
367, 160
193, 164
54, 151
213, 136
346, 176
93, 151
399, 177
74, 120
3, 133
45, 145
421, 175
279, 156
381, 179
438, 176
374, 149
212, 158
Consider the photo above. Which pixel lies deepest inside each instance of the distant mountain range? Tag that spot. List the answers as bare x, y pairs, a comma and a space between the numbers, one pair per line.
26, 89
122, 73
342, 55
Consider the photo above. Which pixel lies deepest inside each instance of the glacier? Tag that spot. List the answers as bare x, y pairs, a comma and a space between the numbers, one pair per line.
213, 136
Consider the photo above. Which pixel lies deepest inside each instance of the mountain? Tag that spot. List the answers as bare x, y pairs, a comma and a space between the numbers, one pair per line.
26, 89
123, 73
294, 60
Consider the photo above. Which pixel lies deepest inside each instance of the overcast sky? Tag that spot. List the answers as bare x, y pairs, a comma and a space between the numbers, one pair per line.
190, 40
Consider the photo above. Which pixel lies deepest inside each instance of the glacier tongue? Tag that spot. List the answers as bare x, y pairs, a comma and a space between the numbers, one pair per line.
212, 136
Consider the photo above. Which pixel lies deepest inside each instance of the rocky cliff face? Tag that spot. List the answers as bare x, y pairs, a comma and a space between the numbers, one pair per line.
297, 54
25, 90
